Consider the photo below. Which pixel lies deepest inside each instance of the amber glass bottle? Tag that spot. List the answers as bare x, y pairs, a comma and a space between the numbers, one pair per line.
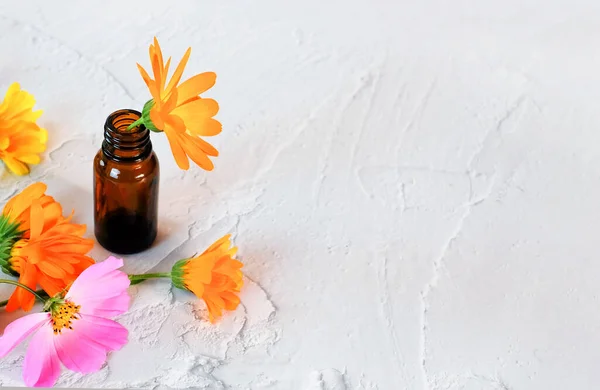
126, 176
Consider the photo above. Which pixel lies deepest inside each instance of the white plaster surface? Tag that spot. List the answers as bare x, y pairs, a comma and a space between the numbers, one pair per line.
414, 187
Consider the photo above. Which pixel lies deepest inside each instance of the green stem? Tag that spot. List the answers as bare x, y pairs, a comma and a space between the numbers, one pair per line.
135, 279
38, 294
136, 123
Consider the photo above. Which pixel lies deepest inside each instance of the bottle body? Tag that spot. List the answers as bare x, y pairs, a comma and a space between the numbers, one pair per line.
126, 182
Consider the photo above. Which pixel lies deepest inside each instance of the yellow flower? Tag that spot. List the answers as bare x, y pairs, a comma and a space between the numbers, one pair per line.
179, 111
21, 139
214, 276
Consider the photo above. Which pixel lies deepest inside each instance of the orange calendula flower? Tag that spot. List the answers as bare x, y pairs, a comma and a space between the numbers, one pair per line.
178, 110
21, 139
40, 246
214, 276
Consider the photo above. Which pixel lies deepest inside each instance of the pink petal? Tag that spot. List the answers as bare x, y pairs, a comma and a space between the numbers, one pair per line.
77, 352
92, 273
19, 330
41, 367
84, 348
107, 308
98, 289
108, 334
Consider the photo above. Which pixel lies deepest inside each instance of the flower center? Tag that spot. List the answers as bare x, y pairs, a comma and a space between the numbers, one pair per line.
16, 254
63, 315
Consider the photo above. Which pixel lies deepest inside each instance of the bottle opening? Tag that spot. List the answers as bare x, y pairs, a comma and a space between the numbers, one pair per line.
122, 144
119, 121
122, 119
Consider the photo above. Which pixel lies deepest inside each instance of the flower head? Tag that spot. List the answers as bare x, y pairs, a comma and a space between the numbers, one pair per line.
40, 246
214, 276
75, 330
179, 111
21, 139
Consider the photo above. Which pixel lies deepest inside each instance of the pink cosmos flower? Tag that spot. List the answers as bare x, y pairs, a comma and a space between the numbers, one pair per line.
74, 330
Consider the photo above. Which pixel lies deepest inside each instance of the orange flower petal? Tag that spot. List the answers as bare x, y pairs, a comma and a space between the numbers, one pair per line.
176, 148
145, 76
21, 297
159, 56
197, 110
170, 103
178, 72
22, 201
52, 251
231, 300
222, 243
36, 219
52, 214
179, 109
157, 117
204, 146
214, 311
51, 270
155, 54
197, 288
152, 85
205, 127
196, 154
195, 85
215, 277
50, 285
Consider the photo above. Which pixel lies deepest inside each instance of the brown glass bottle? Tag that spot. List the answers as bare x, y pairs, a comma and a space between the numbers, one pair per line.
126, 175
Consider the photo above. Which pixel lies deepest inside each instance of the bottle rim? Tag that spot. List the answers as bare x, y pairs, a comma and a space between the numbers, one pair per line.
121, 144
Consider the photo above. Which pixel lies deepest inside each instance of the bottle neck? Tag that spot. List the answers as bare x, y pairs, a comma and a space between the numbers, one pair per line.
121, 144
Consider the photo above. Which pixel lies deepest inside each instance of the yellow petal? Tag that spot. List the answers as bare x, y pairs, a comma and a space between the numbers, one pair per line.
43, 134
18, 104
21, 145
30, 158
16, 166
4, 142
13, 89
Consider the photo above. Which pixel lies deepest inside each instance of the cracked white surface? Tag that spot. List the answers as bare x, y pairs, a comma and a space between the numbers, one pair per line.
413, 187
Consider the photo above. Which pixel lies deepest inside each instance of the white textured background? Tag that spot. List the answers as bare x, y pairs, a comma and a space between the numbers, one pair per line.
414, 187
